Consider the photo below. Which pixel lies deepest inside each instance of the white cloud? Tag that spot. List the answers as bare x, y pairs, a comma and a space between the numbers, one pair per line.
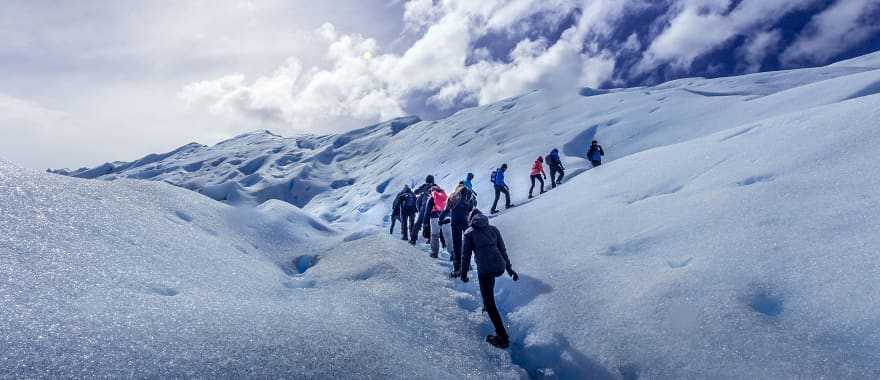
354, 89
757, 48
701, 26
842, 25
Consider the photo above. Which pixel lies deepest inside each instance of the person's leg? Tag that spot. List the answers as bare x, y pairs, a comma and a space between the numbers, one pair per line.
405, 224
541, 180
596, 163
561, 174
446, 230
497, 196
553, 177
393, 220
533, 185
426, 228
506, 197
457, 234
487, 291
411, 219
435, 236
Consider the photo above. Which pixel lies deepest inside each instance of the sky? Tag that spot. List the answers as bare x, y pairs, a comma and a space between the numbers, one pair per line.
90, 81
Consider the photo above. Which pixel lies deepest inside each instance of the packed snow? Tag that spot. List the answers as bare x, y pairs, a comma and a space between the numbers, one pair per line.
143, 279
730, 233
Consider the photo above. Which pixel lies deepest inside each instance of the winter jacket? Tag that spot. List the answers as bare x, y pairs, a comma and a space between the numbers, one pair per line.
458, 212
553, 160
499, 178
485, 243
438, 200
400, 202
468, 184
595, 153
538, 168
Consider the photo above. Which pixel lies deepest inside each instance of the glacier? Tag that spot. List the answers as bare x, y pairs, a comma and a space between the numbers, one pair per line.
730, 233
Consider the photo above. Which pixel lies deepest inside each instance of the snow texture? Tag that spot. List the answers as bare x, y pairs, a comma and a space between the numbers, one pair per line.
730, 233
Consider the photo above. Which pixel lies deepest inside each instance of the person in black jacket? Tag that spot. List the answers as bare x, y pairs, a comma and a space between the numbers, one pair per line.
395, 215
595, 154
423, 193
485, 243
406, 204
458, 208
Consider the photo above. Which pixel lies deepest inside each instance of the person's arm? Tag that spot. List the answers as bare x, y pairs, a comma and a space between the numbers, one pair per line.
503, 249
601, 151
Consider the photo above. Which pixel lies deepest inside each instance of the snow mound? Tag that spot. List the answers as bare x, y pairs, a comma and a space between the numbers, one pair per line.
749, 253
143, 279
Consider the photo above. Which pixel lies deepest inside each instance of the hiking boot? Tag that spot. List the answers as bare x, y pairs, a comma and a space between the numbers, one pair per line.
433, 255
498, 341
530, 195
454, 274
494, 211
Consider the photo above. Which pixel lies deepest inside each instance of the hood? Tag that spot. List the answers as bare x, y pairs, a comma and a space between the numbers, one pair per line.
479, 221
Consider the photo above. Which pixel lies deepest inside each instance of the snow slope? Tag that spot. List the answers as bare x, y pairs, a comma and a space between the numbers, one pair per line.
142, 279
731, 232
351, 177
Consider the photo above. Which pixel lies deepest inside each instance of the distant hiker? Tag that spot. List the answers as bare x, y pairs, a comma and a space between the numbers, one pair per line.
422, 193
437, 204
408, 206
485, 243
537, 174
458, 209
468, 182
500, 188
595, 154
395, 214
556, 167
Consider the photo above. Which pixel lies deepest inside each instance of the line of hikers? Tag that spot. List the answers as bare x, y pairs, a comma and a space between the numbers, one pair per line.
455, 219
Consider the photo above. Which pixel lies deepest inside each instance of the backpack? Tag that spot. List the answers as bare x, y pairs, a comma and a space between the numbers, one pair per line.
492, 176
409, 201
439, 200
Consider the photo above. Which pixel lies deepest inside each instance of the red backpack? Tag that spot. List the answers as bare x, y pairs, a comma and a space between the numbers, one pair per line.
439, 200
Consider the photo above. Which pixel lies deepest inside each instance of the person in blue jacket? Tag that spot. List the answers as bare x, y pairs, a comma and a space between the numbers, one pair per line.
500, 188
468, 182
556, 167
595, 154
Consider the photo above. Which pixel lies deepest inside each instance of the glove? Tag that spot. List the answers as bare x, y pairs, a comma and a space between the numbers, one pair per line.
512, 274
464, 277
545, 176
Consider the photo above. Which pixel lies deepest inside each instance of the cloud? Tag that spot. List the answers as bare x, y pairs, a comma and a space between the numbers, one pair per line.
846, 23
361, 84
701, 26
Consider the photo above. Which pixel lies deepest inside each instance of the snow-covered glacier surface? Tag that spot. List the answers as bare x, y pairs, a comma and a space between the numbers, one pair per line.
143, 279
731, 233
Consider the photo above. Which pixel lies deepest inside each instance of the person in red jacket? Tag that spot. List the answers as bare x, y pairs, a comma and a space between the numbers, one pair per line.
538, 174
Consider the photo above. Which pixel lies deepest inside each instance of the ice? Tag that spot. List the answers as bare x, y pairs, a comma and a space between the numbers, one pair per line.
731, 232
143, 279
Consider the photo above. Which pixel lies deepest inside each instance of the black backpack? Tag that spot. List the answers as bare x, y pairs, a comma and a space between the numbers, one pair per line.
409, 201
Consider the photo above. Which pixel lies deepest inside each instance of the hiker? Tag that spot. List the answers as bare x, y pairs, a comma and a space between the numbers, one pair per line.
537, 173
595, 154
436, 205
422, 223
556, 167
458, 208
407, 204
468, 182
395, 213
500, 188
485, 243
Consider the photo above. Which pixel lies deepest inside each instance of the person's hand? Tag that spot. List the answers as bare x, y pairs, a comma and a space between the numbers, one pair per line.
464, 277
545, 176
513, 274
